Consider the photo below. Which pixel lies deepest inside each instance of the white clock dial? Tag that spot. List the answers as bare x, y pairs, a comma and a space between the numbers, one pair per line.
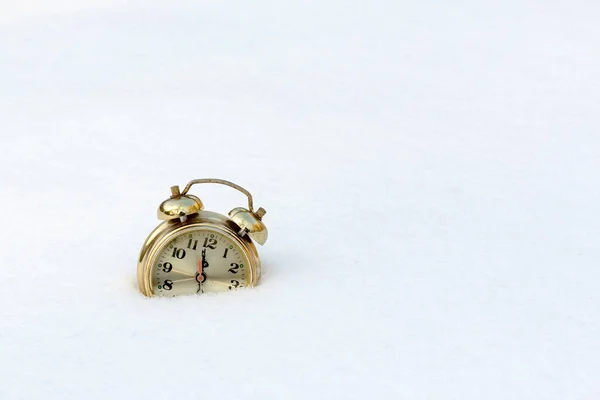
200, 261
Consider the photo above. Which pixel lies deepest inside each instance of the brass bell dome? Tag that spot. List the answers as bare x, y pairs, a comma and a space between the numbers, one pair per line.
251, 223
179, 206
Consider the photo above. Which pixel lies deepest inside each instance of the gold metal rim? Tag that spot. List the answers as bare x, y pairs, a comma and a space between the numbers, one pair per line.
165, 232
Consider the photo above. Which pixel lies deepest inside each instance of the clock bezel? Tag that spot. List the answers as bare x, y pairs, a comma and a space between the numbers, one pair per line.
168, 230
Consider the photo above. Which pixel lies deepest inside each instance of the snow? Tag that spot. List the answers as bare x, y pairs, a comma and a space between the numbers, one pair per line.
430, 172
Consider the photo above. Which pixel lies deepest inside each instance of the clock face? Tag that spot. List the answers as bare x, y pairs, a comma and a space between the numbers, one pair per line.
200, 261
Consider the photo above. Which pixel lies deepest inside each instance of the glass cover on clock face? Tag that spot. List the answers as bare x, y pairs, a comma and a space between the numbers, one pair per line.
200, 261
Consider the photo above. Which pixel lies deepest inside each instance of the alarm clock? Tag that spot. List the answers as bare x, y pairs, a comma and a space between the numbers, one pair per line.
197, 251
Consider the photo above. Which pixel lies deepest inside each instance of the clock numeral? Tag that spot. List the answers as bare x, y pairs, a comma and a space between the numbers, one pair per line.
225, 255
210, 243
167, 267
192, 242
168, 284
178, 253
234, 284
234, 269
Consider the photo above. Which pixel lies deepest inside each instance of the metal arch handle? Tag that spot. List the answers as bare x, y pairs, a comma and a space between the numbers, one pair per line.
221, 182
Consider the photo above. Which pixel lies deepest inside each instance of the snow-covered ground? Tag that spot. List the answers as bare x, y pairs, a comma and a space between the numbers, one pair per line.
430, 170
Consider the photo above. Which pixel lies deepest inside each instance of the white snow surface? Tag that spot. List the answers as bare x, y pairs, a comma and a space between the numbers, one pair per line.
430, 171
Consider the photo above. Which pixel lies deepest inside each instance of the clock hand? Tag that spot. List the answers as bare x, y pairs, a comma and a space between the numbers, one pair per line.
200, 275
185, 273
204, 262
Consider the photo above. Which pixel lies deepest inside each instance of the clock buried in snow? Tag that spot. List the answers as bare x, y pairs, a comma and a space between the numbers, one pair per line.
199, 251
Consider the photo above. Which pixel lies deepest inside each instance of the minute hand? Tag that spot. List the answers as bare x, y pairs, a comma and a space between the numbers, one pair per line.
204, 262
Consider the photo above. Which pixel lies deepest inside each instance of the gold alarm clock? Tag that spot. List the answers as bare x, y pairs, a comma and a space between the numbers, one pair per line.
199, 251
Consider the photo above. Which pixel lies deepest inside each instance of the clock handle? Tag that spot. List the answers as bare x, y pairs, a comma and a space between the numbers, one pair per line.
226, 183
249, 221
